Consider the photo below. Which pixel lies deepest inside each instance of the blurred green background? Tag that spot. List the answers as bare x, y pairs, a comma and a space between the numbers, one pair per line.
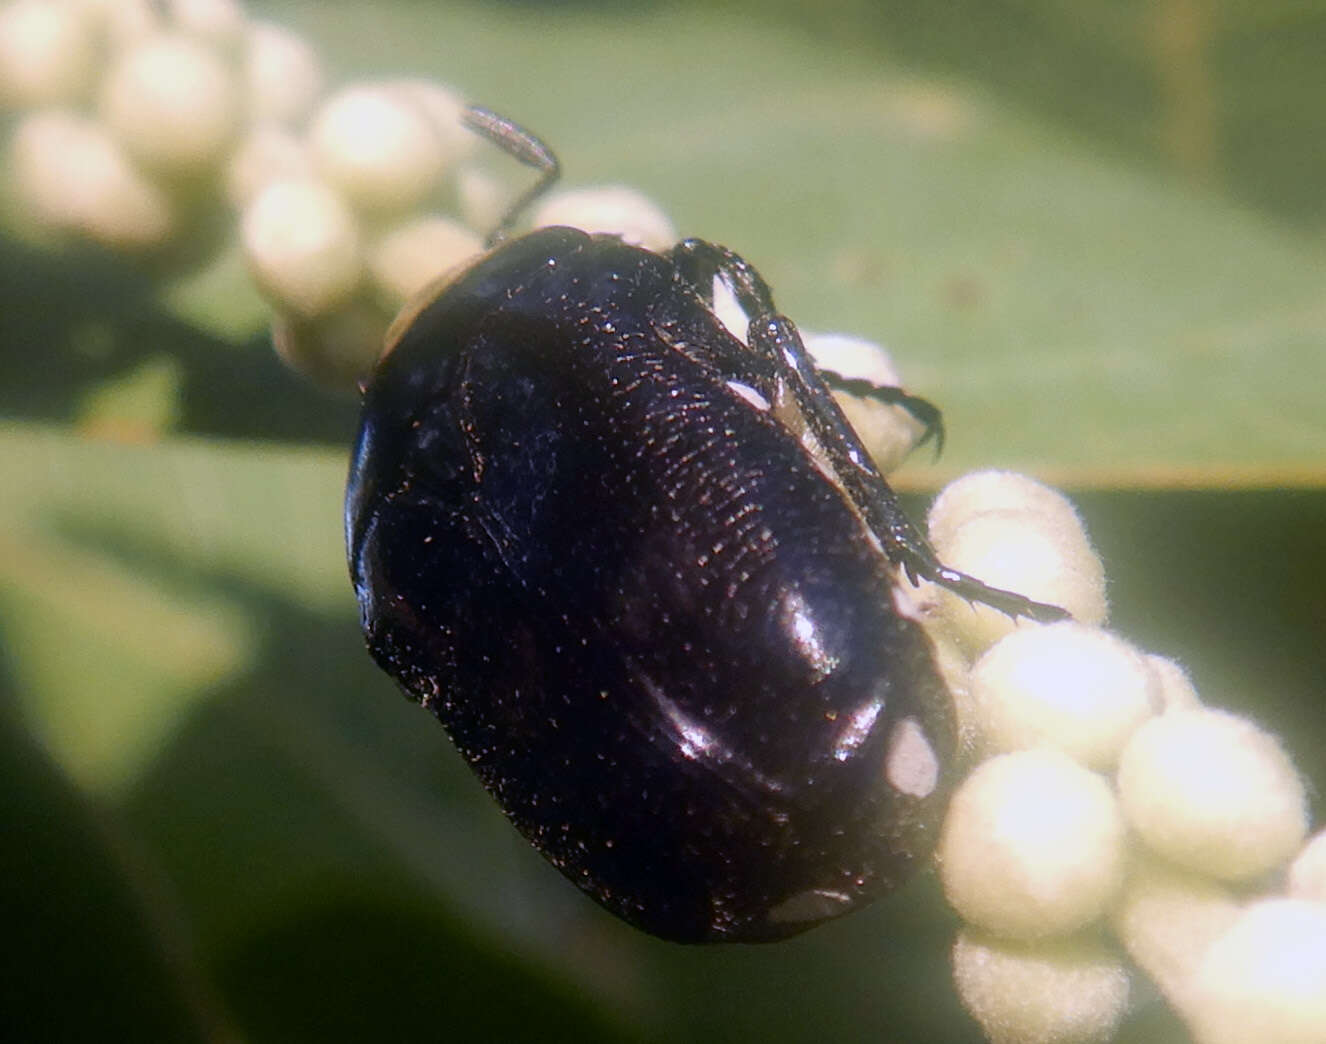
1092, 232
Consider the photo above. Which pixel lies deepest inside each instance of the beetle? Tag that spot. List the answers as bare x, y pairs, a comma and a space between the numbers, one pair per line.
651, 583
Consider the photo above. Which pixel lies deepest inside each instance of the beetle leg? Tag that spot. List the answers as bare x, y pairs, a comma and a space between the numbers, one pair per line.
697, 262
922, 410
777, 336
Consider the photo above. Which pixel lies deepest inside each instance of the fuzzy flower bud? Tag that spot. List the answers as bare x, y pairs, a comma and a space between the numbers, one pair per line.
174, 104
1177, 691
1307, 874
418, 252
1032, 846
1166, 918
1211, 791
338, 349
218, 22
481, 197
378, 147
614, 209
1264, 978
1071, 991
46, 52
1011, 532
267, 153
70, 175
1074, 688
302, 244
123, 23
282, 75
444, 108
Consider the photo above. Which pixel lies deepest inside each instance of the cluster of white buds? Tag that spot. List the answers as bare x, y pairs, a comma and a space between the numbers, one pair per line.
1109, 812
137, 119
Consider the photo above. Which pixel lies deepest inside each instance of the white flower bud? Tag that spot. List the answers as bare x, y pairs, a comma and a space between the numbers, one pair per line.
302, 244
1176, 688
889, 433
417, 253
125, 22
1039, 550
71, 175
614, 209
1264, 978
481, 198
1307, 873
174, 104
336, 350
267, 153
47, 53
728, 310
1032, 846
1166, 918
377, 147
1072, 991
1213, 792
981, 492
1077, 689
218, 22
445, 108
282, 74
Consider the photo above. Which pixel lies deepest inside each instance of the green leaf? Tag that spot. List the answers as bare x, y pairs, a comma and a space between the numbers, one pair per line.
1071, 313
95, 950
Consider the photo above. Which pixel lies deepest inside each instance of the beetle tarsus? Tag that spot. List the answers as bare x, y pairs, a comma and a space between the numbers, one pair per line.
1008, 602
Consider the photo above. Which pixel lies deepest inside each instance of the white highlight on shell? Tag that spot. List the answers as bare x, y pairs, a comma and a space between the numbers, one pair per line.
750, 395
911, 765
800, 627
729, 312
855, 728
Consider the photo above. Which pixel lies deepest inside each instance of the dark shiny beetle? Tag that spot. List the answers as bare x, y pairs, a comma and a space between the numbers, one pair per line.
650, 582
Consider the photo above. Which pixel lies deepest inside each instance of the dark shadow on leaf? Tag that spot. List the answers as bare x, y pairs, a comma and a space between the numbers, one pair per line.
72, 320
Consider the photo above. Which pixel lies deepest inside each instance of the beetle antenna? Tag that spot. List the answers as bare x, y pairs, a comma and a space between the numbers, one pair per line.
520, 144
